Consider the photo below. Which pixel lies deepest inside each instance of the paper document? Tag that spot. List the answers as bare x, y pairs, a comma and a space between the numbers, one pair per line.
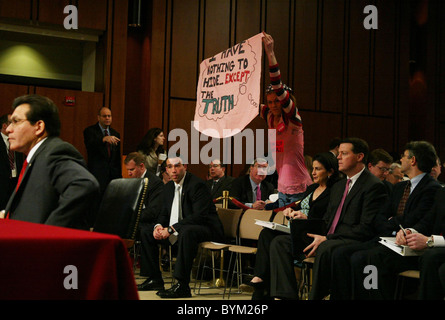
390, 242
273, 226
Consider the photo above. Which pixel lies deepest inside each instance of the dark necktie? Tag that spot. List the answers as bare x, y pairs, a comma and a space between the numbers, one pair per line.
405, 197
108, 145
11, 159
339, 209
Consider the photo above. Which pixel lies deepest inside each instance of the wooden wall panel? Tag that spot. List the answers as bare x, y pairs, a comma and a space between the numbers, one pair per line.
184, 48
385, 73
92, 14
331, 21
76, 118
8, 92
279, 10
305, 55
319, 129
51, 11
358, 75
378, 132
18, 9
248, 20
215, 20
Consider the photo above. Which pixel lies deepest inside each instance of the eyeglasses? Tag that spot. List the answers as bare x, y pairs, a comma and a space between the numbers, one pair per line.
382, 169
16, 122
214, 165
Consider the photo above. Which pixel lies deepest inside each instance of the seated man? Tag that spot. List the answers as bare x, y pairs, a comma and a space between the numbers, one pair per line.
218, 181
408, 204
54, 186
135, 165
432, 262
353, 204
395, 174
379, 163
251, 189
188, 217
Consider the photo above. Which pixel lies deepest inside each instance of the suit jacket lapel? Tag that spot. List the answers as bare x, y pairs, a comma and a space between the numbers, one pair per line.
356, 188
416, 190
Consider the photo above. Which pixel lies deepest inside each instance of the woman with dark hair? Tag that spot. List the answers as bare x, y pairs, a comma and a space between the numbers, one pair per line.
274, 264
152, 146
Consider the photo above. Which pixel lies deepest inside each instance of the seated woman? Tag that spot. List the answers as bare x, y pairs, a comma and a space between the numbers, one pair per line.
274, 264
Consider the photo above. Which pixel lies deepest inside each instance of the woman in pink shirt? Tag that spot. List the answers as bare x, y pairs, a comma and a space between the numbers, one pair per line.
281, 114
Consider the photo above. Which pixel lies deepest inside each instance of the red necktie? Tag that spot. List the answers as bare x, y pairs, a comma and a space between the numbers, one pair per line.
339, 209
258, 193
25, 164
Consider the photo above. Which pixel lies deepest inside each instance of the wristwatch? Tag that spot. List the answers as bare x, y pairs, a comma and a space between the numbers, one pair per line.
430, 242
170, 230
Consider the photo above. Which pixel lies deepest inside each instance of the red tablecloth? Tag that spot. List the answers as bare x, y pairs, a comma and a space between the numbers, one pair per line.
34, 260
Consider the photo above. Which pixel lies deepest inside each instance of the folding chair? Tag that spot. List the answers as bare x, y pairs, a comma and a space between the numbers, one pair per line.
230, 219
248, 230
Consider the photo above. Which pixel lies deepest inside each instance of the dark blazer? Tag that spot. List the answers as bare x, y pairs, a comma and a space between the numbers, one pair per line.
224, 183
56, 188
242, 190
7, 183
104, 168
317, 207
418, 205
197, 206
362, 204
433, 217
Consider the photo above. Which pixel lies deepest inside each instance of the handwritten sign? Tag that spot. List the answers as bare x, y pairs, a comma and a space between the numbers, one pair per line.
228, 91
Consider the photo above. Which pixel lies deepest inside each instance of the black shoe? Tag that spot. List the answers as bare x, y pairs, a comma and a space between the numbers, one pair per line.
177, 291
151, 284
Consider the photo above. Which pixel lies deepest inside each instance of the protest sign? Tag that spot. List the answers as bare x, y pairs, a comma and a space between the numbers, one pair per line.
228, 90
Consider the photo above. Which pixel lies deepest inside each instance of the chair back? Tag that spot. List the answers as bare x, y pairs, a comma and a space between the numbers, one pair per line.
247, 228
121, 207
279, 218
230, 219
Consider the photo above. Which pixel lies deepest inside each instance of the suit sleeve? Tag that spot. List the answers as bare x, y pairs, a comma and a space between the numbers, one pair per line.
366, 211
77, 188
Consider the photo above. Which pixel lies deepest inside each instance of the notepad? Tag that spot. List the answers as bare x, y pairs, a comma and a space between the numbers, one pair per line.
390, 242
273, 226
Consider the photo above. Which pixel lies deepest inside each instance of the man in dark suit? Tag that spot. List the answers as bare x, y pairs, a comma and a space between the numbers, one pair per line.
252, 190
135, 165
379, 164
353, 204
54, 186
409, 205
417, 160
432, 262
218, 181
188, 217
103, 148
10, 164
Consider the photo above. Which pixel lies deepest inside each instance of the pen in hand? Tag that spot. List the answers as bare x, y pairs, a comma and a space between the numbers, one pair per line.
403, 230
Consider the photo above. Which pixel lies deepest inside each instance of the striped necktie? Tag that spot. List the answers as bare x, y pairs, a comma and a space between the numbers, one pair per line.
405, 197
